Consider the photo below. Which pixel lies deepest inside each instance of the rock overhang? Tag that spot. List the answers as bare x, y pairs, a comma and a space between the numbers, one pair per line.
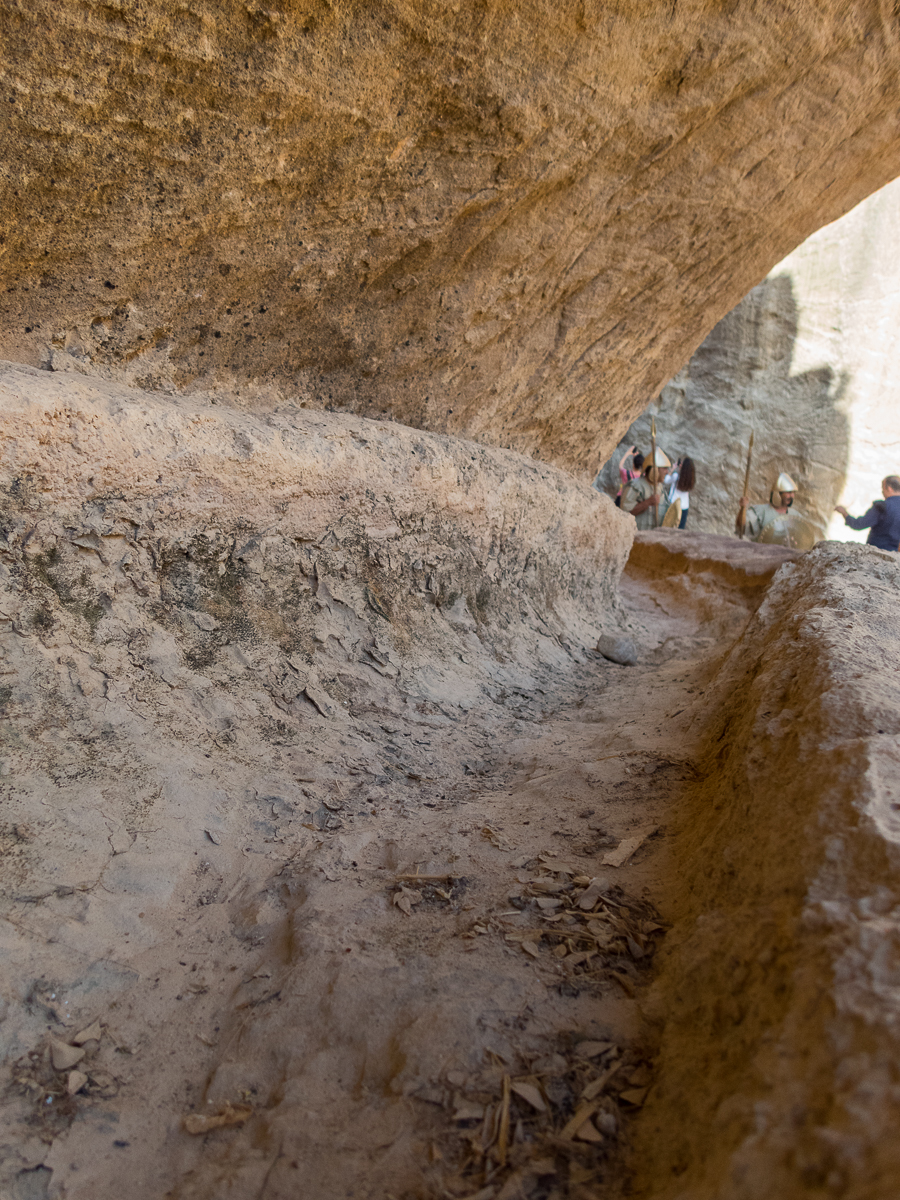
495, 221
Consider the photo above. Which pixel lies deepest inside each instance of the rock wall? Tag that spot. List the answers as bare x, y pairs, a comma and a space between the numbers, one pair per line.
511, 221
806, 361
777, 998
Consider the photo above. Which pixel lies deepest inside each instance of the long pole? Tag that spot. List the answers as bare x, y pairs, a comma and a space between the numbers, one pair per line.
654, 469
742, 512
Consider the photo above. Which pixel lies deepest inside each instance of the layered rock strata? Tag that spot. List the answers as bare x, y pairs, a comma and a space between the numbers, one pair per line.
777, 1068
502, 220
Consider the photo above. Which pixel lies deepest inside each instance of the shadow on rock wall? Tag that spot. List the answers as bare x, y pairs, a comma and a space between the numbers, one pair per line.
740, 379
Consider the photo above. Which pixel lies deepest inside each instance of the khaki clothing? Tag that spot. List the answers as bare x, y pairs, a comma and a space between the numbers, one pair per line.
759, 517
642, 489
792, 529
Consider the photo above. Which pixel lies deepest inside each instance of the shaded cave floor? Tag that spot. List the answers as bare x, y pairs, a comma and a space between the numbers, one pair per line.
439, 993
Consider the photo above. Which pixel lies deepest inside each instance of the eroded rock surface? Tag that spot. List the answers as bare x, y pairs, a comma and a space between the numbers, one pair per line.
515, 222
239, 657
779, 987
253, 697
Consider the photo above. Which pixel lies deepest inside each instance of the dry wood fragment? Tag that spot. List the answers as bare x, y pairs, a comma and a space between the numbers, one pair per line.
197, 1123
491, 1127
626, 848
503, 1133
582, 1114
592, 1049
596, 1087
530, 1094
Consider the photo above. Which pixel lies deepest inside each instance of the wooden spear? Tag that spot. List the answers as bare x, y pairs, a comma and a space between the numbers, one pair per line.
742, 512
654, 473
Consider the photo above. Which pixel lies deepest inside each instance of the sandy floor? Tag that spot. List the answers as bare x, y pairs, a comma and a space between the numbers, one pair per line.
429, 986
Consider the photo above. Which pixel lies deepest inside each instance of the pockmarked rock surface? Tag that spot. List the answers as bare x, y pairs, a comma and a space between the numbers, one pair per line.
511, 221
807, 362
779, 979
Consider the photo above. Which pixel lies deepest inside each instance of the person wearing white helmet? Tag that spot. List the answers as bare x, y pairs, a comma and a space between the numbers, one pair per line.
641, 496
760, 517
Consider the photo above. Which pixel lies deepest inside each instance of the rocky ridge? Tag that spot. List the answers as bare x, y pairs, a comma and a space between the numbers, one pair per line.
778, 981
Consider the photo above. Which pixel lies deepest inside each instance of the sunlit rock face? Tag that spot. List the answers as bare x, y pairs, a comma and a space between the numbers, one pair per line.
807, 361
510, 221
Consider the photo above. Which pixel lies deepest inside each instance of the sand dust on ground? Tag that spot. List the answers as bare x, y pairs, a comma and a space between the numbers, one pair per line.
430, 986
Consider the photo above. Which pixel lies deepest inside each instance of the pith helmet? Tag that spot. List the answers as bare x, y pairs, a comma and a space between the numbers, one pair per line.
784, 483
661, 459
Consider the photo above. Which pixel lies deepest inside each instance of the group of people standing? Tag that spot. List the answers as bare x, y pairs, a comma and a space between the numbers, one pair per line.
656, 492
774, 522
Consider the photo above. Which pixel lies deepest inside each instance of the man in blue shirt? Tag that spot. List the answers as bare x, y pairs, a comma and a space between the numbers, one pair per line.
883, 518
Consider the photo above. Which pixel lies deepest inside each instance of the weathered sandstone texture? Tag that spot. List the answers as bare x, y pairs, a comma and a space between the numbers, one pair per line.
705, 574
248, 665
808, 362
512, 221
777, 998
331, 534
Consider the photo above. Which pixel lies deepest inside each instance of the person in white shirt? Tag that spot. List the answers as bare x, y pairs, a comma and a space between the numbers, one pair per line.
680, 481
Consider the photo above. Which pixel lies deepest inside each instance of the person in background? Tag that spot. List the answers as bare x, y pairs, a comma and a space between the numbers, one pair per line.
760, 516
642, 495
626, 474
680, 481
883, 518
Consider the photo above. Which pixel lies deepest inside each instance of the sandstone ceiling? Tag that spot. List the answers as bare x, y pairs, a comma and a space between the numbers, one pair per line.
509, 220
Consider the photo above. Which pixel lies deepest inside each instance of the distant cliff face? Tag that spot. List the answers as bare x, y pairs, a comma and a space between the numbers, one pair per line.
807, 361
510, 221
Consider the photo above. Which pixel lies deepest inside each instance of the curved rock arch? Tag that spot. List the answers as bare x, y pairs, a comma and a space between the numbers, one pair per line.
509, 221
